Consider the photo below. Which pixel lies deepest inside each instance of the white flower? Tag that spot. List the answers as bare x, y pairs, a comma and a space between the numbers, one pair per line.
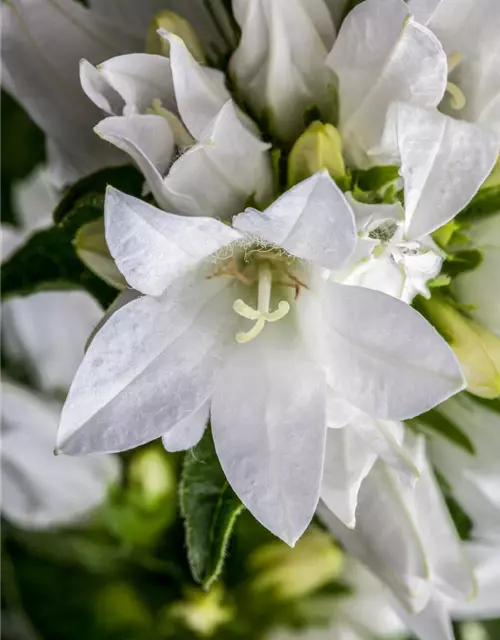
474, 478
46, 330
387, 259
241, 322
478, 289
279, 63
404, 534
468, 31
145, 92
39, 489
43, 42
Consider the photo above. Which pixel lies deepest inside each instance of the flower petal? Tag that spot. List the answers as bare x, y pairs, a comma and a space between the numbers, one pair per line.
40, 490
149, 141
188, 432
443, 163
200, 92
152, 248
434, 621
312, 221
152, 365
98, 89
383, 356
348, 461
42, 44
382, 55
269, 430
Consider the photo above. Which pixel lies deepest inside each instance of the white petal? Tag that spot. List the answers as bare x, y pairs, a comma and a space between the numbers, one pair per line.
433, 621
269, 430
153, 364
31, 333
443, 163
382, 55
42, 44
140, 78
98, 89
151, 247
188, 432
312, 220
383, 356
348, 461
385, 538
35, 199
231, 165
379, 273
485, 558
39, 489
199, 93
149, 141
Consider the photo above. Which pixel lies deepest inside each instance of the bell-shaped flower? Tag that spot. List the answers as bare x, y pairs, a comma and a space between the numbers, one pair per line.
241, 324
278, 67
31, 325
382, 55
443, 162
230, 163
478, 289
405, 535
41, 490
472, 477
468, 31
387, 258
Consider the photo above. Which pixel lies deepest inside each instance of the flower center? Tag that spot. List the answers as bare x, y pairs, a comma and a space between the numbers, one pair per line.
261, 315
458, 99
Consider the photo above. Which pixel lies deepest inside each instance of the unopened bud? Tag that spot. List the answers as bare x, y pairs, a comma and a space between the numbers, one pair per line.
91, 247
319, 147
477, 350
152, 477
201, 612
295, 573
173, 23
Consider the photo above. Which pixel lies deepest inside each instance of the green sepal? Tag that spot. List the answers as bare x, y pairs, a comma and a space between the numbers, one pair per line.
210, 509
435, 421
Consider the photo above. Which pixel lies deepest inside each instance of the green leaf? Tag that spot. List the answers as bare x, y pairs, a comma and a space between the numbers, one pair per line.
486, 202
493, 404
435, 421
210, 509
48, 260
376, 178
461, 261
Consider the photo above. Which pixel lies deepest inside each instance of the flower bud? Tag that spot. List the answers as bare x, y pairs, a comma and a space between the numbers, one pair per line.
173, 23
319, 147
91, 247
478, 289
295, 573
152, 478
477, 349
200, 612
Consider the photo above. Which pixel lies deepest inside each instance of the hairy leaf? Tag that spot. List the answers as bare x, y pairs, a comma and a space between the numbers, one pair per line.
210, 508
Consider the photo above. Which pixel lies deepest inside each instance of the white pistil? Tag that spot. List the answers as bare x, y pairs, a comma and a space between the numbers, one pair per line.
458, 99
261, 315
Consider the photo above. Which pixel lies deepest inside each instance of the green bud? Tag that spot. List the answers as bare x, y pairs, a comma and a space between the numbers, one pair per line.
493, 180
477, 350
173, 23
91, 247
151, 477
201, 612
319, 147
295, 573
120, 607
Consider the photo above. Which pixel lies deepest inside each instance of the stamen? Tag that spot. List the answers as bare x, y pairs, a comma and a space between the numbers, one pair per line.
261, 315
458, 99
454, 59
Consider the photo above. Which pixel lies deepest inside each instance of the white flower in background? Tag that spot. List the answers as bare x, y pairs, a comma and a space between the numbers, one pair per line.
43, 42
474, 479
364, 614
146, 92
40, 490
478, 289
404, 534
242, 323
468, 31
46, 331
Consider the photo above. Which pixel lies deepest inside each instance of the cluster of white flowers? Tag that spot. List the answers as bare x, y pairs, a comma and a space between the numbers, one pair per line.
288, 324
